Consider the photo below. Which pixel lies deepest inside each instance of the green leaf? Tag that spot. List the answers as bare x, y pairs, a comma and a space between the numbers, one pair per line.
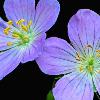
50, 96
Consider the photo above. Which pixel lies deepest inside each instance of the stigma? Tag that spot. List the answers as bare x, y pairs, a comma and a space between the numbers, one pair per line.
90, 69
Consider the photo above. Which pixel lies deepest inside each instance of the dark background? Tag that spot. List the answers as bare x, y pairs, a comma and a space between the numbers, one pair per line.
27, 82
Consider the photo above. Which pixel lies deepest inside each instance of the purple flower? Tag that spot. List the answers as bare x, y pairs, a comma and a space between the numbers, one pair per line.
22, 37
78, 61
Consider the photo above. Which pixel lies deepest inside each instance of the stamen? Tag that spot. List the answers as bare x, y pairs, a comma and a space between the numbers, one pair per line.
24, 28
29, 24
81, 68
6, 30
89, 46
20, 22
78, 56
9, 43
98, 55
15, 34
97, 50
10, 22
26, 37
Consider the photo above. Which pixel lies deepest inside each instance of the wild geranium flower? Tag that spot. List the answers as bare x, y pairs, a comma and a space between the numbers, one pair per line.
78, 61
21, 38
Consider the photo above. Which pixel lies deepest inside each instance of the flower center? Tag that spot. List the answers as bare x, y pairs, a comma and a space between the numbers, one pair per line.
89, 62
22, 38
87, 65
21, 32
90, 66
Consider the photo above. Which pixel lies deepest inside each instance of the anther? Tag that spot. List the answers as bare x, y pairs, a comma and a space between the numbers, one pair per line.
15, 35
9, 43
26, 37
29, 24
89, 46
97, 50
24, 28
98, 55
81, 69
20, 21
6, 30
10, 22
78, 56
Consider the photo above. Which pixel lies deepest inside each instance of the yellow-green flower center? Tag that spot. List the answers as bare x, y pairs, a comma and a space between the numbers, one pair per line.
90, 66
21, 33
22, 38
88, 63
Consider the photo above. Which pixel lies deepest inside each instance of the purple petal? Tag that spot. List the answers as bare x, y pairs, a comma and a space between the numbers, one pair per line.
58, 57
46, 15
19, 9
9, 60
3, 24
4, 38
83, 29
73, 86
35, 49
